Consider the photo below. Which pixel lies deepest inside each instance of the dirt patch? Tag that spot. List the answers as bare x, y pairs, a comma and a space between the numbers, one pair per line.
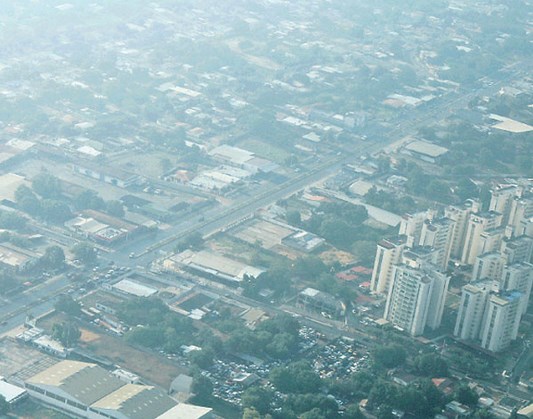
87, 336
330, 256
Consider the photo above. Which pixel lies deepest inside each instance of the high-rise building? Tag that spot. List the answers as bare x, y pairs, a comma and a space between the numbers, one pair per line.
388, 254
501, 320
460, 215
471, 310
488, 266
518, 249
416, 299
477, 225
438, 233
518, 276
411, 227
520, 214
501, 200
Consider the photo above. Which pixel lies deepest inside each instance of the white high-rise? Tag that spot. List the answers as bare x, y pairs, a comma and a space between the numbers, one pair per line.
416, 299
471, 310
460, 215
501, 320
388, 255
488, 266
477, 225
518, 276
438, 234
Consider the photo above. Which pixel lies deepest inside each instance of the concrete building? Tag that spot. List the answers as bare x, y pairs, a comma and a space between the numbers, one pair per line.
520, 214
438, 233
460, 215
501, 320
411, 227
477, 225
518, 276
501, 200
487, 318
416, 299
388, 254
518, 249
471, 310
488, 266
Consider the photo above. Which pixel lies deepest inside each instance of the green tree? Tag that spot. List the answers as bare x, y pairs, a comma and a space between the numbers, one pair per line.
46, 185
68, 305
389, 356
294, 218
115, 208
85, 253
250, 413
353, 412
55, 211
203, 359
53, 258
382, 393
365, 251
11, 221
66, 333
466, 395
202, 387
297, 377
258, 398
431, 365
88, 199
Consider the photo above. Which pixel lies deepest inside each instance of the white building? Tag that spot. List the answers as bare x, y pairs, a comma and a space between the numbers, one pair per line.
501, 320
518, 276
471, 310
477, 225
488, 266
438, 233
460, 215
388, 255
411, 227
518, 249
416, 299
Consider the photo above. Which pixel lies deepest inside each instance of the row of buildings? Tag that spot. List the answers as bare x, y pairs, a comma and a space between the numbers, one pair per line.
495, 248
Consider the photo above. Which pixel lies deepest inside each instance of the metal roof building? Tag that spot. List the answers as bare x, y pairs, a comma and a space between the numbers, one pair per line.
133, 401
89, 391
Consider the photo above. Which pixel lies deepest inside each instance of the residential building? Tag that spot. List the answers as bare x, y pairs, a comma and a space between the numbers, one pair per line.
460, 215
488, 266
477, 225
411, 227
501, 200
501, 320
388, 254
416, 299
438, 233
518, 276
517, 249
471, 310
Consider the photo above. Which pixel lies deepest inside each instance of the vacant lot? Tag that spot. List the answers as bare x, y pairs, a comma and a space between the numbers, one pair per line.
151, 366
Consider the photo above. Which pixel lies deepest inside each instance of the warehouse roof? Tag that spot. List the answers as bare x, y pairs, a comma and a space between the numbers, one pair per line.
82, 381
136, 401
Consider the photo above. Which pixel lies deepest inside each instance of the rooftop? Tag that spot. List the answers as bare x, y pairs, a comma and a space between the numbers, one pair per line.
134, 401
82, 381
